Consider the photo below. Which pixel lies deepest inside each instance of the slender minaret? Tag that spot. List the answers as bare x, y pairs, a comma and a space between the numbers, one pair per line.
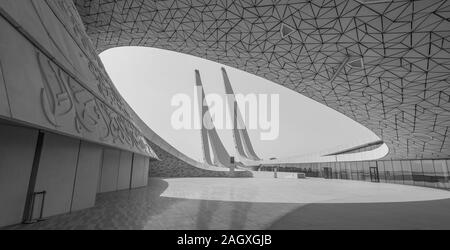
210, 137
242, 141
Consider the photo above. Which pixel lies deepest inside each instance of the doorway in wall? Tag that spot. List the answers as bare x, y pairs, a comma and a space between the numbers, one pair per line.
374, 176
328, 173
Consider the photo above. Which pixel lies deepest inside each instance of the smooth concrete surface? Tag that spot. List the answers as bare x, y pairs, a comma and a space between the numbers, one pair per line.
124, 178
88, 169
261, 204
17, 147
110, 170
56, 173
21, 76
4, 104
139, 176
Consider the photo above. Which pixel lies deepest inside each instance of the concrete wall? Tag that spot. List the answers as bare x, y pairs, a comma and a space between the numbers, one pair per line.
124, 178
17, 147
52, 78
88, 170
56, 173
110, 170
69, 170
122, 170
4, 105
139, 177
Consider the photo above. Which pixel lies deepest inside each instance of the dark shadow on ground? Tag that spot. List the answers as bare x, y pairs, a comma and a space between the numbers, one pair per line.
402, 215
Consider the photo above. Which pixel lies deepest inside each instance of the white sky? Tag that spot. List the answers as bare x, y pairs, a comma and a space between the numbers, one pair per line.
148, 78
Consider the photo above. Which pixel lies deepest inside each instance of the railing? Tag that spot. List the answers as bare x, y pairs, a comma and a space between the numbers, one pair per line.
30, 216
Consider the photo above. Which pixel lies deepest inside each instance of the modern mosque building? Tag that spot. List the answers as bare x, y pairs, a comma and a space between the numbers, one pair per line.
68, 137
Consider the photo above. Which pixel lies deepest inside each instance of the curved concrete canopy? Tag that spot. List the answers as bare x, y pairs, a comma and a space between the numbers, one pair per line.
386, 65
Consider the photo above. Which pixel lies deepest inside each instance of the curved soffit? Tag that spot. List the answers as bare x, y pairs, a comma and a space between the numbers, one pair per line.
401, 93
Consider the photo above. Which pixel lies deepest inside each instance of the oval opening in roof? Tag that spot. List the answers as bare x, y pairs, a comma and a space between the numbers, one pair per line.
150, 79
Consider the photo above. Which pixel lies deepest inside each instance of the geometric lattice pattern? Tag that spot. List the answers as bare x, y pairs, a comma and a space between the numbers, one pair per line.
402, 92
